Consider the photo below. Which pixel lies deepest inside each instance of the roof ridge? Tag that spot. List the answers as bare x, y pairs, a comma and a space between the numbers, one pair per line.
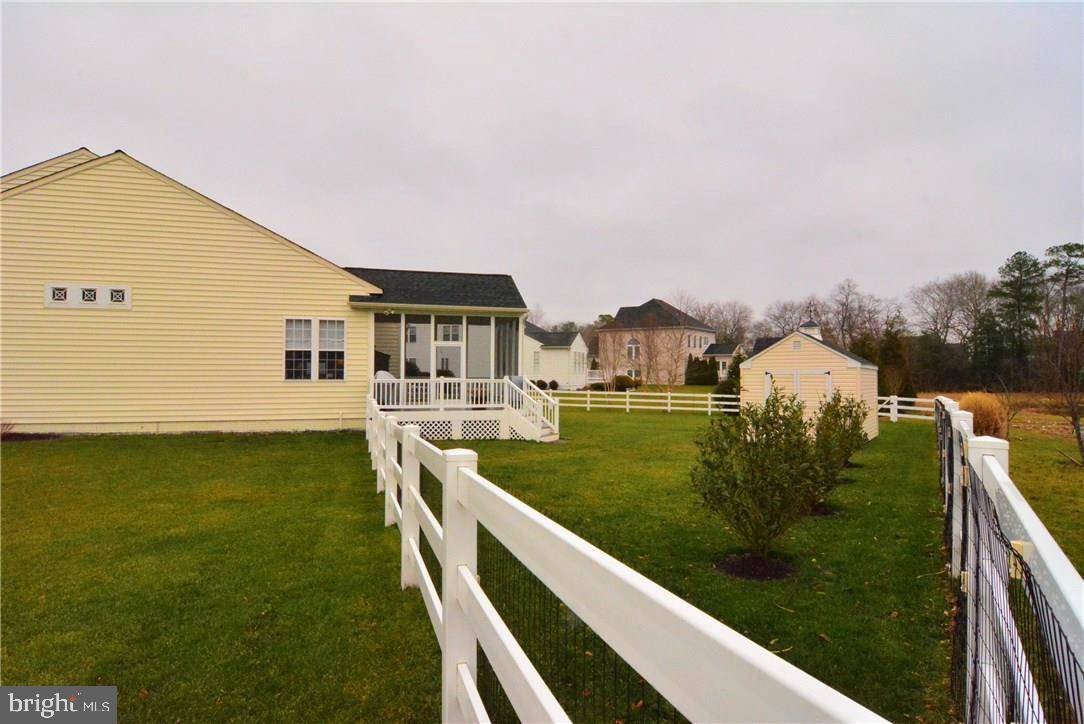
48, 160
431, 271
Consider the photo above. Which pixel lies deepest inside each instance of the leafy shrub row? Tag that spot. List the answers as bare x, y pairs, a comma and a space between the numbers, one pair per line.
766, 468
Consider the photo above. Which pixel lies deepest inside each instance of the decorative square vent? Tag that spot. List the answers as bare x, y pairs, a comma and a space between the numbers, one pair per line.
116, 296
90, 295
60, 294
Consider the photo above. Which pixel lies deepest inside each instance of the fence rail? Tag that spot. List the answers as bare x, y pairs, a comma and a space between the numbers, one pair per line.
1019, 617
895, 407
705, 670
711, 404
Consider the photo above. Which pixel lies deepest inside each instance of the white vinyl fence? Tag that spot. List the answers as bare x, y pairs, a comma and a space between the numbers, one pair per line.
707, 671
630, 400
907, 408
1019, 620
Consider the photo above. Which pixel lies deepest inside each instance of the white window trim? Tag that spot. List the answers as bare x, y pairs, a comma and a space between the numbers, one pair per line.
102, 292
314, 350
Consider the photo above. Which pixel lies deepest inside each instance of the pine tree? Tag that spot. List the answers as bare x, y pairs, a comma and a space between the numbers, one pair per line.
1018, 296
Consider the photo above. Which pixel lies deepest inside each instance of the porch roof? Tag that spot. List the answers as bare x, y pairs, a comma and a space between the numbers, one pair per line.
439, 289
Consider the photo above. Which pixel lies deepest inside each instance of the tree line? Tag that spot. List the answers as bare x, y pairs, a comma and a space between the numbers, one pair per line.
1021, 331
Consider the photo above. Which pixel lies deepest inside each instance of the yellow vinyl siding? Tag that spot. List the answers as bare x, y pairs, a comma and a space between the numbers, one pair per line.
202, 345
784, 360
40, 170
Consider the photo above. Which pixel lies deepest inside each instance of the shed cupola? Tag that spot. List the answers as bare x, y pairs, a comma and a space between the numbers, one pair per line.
812, 328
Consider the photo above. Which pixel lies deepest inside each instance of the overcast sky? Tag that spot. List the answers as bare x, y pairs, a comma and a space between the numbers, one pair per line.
600, 154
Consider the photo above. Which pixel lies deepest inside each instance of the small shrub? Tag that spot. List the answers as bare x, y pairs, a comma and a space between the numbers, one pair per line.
624, 382
990, 415
540, 384
838, 435
597, 387
754, 469
553, 385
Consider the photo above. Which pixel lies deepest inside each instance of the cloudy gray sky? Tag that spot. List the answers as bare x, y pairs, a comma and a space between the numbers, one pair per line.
600, 154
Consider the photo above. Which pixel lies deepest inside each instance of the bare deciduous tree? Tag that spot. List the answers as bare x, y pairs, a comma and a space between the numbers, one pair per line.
934, 306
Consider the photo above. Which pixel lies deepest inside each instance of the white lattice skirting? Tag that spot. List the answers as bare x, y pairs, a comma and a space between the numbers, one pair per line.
460, 424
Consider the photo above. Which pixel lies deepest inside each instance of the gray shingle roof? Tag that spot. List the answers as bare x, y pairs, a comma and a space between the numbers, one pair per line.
720, 348
654, 313
763, 343
549, 339
440, 289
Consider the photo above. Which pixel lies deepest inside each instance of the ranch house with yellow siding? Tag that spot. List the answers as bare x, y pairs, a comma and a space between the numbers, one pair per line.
132, 303
802, 363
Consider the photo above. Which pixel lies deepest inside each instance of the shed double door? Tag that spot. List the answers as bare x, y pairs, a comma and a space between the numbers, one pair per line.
810, 385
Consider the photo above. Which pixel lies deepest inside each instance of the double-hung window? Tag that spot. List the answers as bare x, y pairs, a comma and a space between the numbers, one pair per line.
332, 349
319, 356
299, 349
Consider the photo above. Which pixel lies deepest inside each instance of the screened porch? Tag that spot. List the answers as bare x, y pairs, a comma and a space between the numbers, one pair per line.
410, 345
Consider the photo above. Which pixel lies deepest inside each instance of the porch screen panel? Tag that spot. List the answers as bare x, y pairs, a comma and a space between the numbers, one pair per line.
448, 361
506, 361
479, 348
386, 343
418, 333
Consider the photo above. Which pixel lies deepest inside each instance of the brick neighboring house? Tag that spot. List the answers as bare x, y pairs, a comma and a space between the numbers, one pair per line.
652, 343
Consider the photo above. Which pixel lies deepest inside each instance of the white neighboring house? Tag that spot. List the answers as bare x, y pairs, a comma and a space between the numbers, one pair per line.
560, 356
722, 353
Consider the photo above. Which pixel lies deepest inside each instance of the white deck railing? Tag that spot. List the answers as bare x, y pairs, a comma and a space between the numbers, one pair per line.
551, 408
456, 397
707, 671
629, 400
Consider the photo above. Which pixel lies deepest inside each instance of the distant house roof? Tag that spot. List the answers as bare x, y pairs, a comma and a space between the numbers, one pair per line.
440, 289
720, 349
654, 313
549, 339
808, 324
764, 343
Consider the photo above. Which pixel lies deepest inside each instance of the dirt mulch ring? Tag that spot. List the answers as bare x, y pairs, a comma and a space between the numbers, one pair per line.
823, 510
754, 568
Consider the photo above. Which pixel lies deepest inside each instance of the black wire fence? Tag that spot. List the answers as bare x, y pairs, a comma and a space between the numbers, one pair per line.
1011, 658
591, 682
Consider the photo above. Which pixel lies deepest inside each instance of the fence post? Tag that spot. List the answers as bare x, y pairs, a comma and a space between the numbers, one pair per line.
979, 447
588, 399
389, 477
628, 401
458, 645
893, 408
411, 482
378, 452
961, 430
669, 396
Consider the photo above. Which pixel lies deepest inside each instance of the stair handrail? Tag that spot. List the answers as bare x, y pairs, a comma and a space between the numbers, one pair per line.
551, 407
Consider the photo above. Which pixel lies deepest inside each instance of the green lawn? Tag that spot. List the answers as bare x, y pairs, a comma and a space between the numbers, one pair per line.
211, 577
1053, 486
250, 576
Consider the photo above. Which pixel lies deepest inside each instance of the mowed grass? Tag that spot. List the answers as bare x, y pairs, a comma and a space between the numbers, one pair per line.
251, 577
867, 611
211, 577
1052, 485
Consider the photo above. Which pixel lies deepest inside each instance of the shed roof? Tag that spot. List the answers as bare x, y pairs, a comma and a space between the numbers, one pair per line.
440, 289
763, 344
